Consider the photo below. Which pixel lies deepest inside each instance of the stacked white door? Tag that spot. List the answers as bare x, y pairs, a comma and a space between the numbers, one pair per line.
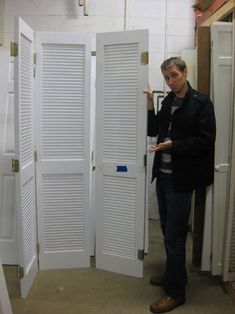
120, 151
8, 231
221, 36
63, 149
24, 152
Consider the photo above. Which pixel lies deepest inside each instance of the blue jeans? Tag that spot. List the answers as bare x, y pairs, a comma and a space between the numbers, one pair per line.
174, 211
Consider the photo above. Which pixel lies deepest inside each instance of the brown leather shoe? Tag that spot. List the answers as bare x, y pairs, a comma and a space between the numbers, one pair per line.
165, 304
156, 281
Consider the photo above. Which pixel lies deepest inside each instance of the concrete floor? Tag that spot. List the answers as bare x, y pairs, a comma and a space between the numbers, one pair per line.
87, 291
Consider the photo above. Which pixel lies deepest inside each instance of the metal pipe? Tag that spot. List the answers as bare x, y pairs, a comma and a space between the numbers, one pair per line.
126, 13
85, 7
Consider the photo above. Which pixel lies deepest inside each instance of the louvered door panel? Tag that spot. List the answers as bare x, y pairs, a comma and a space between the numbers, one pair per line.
26, 100
29, 228
232, 244
120, 216
120, 98
63, 85
63, 149
24, 148
63, 229
120, 150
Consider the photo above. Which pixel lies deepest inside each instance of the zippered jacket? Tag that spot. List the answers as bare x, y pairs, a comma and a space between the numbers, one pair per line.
193, 133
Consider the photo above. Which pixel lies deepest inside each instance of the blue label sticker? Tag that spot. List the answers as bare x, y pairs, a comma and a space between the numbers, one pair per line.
121, 169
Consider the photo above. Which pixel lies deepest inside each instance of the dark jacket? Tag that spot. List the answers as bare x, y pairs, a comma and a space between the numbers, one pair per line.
193, 139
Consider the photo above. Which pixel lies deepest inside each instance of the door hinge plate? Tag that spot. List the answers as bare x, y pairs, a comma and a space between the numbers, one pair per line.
34, 58
141, 255
93, 161
35, 157
15, 165
14, 49
38, 248
20, 272
144, 57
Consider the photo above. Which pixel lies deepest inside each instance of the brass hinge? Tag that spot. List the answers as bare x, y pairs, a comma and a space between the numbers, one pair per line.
20, 272
15, 165
34, 58
145, 160
38, 248
92, 161
141, 255
14, 49
144, 57
35, 157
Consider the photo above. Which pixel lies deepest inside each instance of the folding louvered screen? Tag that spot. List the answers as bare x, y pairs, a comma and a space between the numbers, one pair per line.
63, 149
24, 149
120, 151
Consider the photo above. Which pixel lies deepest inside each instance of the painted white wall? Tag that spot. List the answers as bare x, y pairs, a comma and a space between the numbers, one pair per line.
170, 22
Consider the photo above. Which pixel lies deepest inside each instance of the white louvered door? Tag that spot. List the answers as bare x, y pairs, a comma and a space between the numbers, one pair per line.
24, 152
63, 149
120, 150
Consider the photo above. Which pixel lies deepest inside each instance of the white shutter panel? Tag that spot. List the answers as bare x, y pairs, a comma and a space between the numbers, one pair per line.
24, 152
120, 151
63, 149
221, 36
